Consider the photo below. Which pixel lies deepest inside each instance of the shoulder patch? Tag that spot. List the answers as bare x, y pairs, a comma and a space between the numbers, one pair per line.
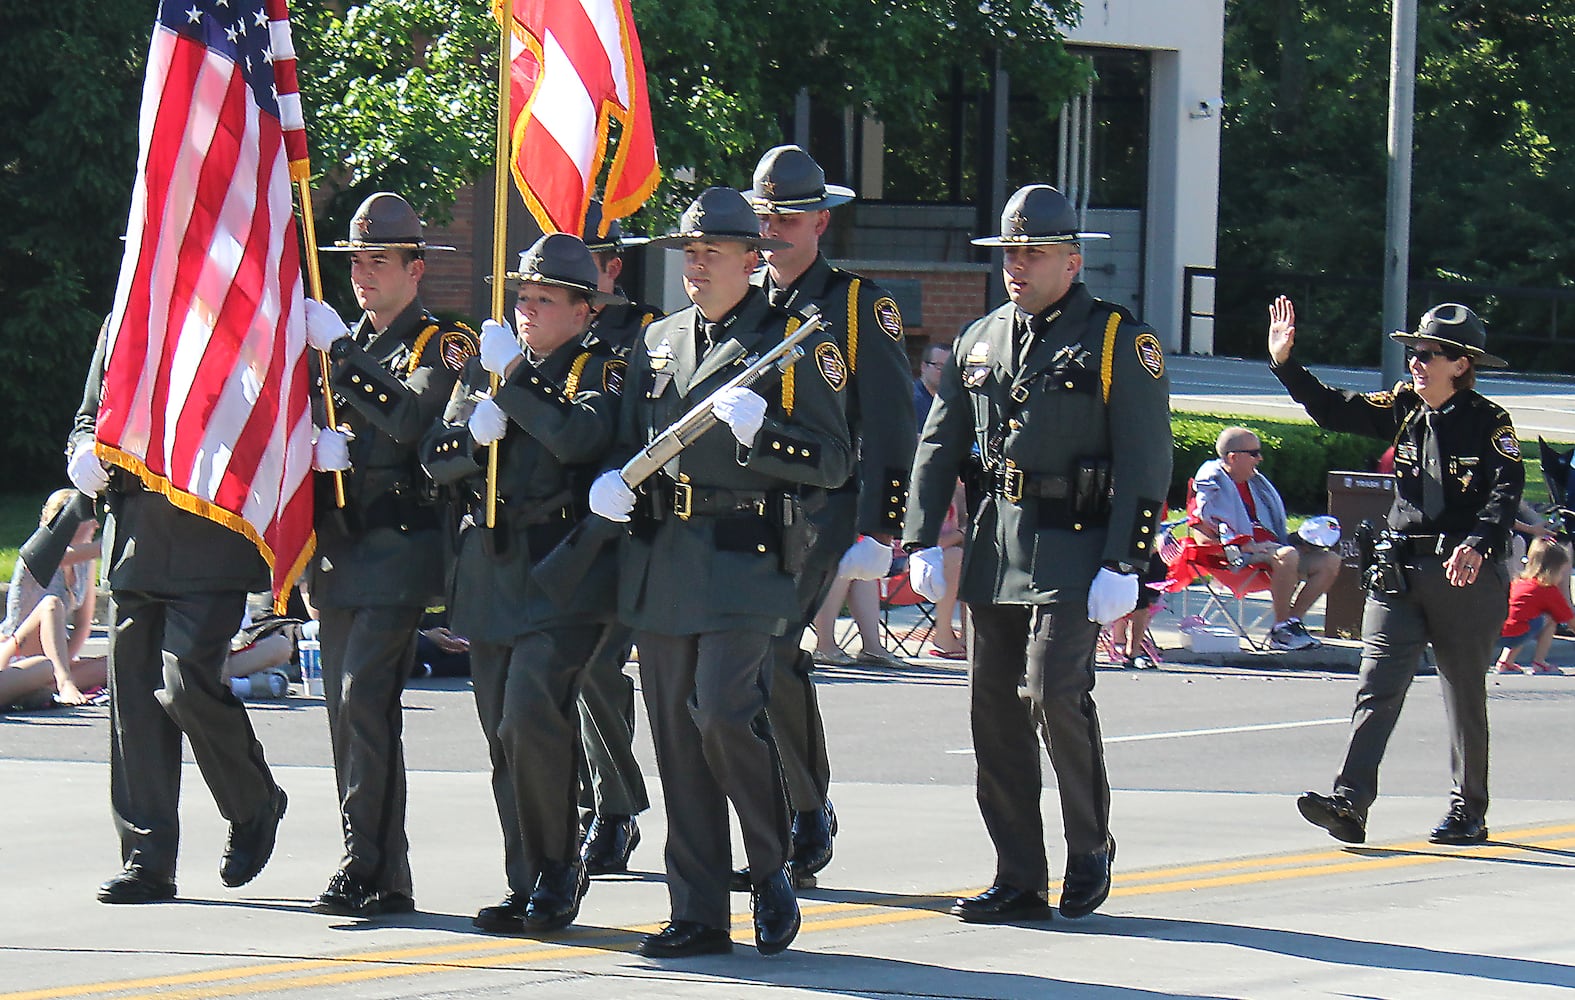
889, 317
1150, 354
458, 346
831, 365
612, 376
1506, 443
1383, 399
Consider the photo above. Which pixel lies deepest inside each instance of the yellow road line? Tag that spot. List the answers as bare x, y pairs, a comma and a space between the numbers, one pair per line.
819, 917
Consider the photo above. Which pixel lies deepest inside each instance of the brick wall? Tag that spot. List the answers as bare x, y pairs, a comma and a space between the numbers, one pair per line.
950, 296
449, 285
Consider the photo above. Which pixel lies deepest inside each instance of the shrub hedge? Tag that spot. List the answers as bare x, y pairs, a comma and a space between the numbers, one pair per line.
1297, 457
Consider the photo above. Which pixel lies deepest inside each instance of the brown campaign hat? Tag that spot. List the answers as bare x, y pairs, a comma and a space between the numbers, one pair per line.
614, 239
720, 213
788, 181
1035, 215
562, 261
1454, 326
384, 222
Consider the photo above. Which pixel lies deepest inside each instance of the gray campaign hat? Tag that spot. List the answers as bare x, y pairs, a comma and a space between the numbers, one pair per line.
384, 222
720, 213
562, 261
1037, 214
789, 181
614, 239
1454, 326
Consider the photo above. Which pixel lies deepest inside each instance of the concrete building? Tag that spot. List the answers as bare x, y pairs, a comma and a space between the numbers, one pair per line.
1138, 153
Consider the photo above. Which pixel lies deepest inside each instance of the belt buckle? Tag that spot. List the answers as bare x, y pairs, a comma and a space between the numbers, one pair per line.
1019, 394
683, 500
1012, 482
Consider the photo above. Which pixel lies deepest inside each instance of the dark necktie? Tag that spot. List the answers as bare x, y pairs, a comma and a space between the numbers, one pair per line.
1432, 469
1025, 341
779, 297
706, 331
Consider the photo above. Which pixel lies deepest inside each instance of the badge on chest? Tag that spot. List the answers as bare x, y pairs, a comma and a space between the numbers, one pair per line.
661, 360
976, 365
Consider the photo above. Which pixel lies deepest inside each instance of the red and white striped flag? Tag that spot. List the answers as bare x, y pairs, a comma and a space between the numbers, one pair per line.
576, 66
205, 378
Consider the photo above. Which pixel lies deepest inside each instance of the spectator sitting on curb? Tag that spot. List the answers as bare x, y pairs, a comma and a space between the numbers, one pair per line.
1537, 606
1232, 492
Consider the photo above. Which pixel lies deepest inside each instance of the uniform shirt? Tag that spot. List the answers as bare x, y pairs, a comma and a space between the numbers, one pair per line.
867, 326
561, 414
385, 548
1479, 453
1047, 414
708, 574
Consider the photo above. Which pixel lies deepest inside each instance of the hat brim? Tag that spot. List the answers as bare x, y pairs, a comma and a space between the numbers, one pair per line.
835, 195
351, 246
1479, 357
623, 243
677, 241
597, 296
1032, 241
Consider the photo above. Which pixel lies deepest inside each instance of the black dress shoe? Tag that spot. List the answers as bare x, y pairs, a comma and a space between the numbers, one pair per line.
608, 843
776, 913
1335, 814
740, 881
251, 843
506, 917
137, 885
555, 901
1002, 904
1459, 827
683, 938
348, 896
812, 834
1087, 882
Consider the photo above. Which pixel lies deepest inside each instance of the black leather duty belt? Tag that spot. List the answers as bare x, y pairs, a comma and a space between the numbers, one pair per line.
1432, 545
687, 500
1013, 484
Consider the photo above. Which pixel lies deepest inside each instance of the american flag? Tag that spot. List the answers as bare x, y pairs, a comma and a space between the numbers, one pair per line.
205, 382
575, 67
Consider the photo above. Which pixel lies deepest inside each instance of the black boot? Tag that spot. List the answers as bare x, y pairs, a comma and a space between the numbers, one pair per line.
812, 833
1087, 882
251, 843
608, 843
137, 885
776, 913
505, 917
555, 901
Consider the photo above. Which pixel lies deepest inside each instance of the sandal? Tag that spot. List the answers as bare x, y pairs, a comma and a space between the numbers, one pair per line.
949, 654
1539, 667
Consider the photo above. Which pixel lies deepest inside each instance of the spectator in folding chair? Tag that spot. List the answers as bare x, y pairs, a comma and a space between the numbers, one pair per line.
858, 584
1190, 555
1233, 496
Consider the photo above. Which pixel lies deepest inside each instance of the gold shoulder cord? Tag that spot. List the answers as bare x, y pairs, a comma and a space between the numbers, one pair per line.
571, 385
1107, 362
787, 376
853, 327
414, 361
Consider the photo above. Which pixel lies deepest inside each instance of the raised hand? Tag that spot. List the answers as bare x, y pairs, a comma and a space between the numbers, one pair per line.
1282, 329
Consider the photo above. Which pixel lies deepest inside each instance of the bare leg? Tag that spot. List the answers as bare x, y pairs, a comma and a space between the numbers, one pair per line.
946, 638
1321, 569
26, 676
864, 606
826, 617
1544, 641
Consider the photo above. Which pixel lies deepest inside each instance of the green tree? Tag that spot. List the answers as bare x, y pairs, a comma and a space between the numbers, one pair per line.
1304, 162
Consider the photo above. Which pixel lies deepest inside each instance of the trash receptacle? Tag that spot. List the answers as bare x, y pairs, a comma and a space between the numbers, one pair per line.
1353, 498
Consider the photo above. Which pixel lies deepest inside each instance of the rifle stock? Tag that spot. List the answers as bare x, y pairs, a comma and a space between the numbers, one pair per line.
564, 568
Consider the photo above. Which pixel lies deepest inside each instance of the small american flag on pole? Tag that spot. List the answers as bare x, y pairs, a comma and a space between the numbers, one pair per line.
205, 379
576, 66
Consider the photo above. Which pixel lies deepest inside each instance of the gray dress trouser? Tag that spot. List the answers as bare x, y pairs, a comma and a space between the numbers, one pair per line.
367, 657
1050, 648
1463, 624
166, 655
612, 782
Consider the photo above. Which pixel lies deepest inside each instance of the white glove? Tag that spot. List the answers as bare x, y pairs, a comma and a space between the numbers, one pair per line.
331, 452
866, 559
1111, 595
611, 497
743, 410
323, 325
499, 347
927, 573
487, 422
87, 472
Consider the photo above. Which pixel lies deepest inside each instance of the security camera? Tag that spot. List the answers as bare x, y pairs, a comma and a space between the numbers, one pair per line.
1209, 107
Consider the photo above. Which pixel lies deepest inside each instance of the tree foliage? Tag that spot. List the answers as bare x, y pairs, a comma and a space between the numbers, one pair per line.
1304, 157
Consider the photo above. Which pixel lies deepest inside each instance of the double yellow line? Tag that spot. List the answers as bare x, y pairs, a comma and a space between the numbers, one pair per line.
498, 953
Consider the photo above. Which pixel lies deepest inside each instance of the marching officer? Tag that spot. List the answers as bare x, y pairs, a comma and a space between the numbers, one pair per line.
379, 560
1442, 577
706, 577
613, 789
793, 202
178, 583
1065, 397
551, 420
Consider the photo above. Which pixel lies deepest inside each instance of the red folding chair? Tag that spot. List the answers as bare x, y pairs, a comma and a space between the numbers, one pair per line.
1192, 557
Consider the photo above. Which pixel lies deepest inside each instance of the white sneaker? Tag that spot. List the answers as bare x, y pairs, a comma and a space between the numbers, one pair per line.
1285, 637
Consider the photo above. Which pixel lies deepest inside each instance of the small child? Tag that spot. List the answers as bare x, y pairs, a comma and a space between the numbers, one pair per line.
1536, 605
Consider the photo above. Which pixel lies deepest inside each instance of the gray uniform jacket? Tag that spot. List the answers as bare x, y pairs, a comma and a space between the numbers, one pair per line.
385, 548
561, 415
710, 572
867, 325
150, 544
1076, 446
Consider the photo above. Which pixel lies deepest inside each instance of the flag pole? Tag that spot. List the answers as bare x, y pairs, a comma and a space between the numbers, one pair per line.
500, 219
314, 284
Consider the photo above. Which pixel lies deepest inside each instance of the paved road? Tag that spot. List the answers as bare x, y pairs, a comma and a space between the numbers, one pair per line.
1222, 890
1231, 385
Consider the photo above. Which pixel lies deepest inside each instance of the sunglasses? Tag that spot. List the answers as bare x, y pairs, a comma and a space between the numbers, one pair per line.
1254, 452
1426, 356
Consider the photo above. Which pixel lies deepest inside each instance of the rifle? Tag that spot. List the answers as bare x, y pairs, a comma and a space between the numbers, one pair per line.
562, 569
